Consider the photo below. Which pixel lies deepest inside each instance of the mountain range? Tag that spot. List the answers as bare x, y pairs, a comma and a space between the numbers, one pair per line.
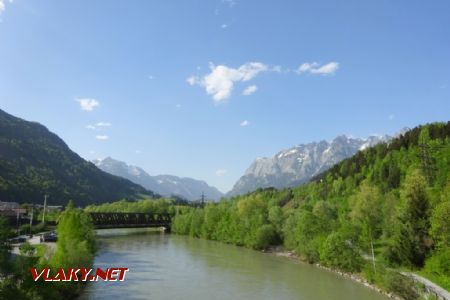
35, 162
165, 185
299, 164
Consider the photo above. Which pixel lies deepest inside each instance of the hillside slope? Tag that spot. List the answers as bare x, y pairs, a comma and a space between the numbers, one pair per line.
297, 165
35, 161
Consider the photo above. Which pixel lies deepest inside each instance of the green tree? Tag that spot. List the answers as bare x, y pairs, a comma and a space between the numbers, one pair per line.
5, 231
338, 252
440, 224
411, 242
367, 212
76, 244
438, 266
309, 232
265, 236
211, 219
276, 217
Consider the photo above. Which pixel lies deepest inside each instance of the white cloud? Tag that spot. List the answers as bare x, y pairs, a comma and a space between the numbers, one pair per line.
102, 137
231, 3
221, 172
98, 125
305, 67
224, 26
87, 104
193, 80
103, 124
250, 90
245, 123
315, 68
3, 5
220, 82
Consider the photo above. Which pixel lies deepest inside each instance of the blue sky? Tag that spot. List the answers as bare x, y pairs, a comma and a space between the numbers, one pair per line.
201, 88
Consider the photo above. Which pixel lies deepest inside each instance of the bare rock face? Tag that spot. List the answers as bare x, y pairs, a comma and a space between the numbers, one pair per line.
299, 164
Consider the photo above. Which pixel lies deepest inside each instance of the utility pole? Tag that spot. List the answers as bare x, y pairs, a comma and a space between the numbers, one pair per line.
373, 253
203, 199
31, 219
18, 227
45, 206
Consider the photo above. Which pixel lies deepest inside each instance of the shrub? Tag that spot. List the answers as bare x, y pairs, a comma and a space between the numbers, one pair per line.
337, 252
265, 236
400, 285
438, 267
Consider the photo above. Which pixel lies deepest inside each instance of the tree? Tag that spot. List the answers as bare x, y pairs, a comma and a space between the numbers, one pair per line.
338, 252
438, 265
5, 247
367, 213
440, 224
308, 233
265, 236
76, 244
276, 217
411, 242
211, 219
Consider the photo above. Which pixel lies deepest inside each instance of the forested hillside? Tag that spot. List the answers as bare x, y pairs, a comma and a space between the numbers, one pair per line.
35, 161
390, 202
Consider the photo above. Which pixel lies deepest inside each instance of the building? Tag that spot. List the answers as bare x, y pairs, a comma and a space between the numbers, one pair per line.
11, 209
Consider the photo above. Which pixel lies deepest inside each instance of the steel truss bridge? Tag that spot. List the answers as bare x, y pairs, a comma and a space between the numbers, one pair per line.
130, 220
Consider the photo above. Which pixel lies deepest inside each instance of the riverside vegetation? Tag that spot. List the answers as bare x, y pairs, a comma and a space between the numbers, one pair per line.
387, 208
75, 248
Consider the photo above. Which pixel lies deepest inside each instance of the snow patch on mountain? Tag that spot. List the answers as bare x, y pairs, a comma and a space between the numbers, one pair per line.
299, 164
165, 185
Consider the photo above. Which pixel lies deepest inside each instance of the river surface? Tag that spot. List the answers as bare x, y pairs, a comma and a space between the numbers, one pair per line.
165, 266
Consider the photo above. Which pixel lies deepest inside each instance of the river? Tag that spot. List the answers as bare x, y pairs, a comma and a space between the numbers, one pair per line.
165, 266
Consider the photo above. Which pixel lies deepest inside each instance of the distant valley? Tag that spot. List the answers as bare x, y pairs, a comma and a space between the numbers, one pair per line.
35, 162
165, 185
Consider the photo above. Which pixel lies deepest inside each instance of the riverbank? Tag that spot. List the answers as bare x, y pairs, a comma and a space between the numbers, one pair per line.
280, 251
170, 266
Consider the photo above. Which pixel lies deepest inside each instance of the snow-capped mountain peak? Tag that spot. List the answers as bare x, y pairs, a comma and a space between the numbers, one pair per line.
165, 185
300, 163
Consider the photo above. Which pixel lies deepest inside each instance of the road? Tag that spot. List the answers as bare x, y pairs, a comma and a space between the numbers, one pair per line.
430, 286
35, 240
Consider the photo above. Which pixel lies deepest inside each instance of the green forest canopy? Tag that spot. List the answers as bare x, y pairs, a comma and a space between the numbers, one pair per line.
393, 198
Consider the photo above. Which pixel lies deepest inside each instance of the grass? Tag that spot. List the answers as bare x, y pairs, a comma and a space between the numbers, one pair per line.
440, 280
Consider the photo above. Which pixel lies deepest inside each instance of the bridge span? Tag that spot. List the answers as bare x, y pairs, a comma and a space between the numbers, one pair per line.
130, 220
